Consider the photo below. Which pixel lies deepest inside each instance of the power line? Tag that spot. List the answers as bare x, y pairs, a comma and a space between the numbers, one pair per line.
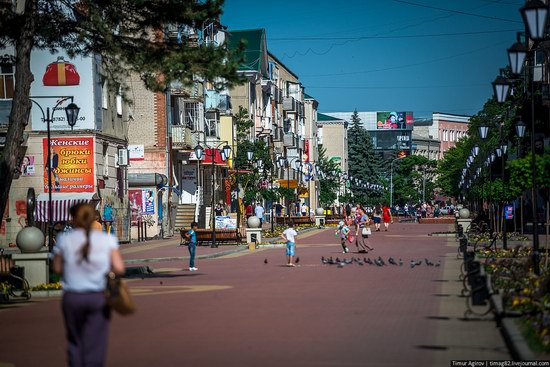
390, 37
457, 11
407, 65
399, 87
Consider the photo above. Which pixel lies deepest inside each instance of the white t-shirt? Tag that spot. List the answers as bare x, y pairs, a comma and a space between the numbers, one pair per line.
85, 276
290, 233
259, 212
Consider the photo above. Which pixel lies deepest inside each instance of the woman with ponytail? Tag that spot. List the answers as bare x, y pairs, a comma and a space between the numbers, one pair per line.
83, 257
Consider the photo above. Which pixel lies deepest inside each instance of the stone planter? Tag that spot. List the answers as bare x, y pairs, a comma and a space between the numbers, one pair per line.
30, 240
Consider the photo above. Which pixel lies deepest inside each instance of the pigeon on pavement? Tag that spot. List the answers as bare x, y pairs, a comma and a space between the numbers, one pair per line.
392, 261
400, 262
438, 263
369, 261
413, 264
381, 261
297, 260
265, 261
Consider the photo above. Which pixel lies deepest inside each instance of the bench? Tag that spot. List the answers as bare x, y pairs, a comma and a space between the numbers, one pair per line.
295, 220
13, 275
232, 235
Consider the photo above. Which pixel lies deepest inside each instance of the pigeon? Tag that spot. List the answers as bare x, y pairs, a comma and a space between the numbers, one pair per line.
438, 263
400, 262
323, 260
265, 261
378, 262
418, 263
413, 264
297, 260
360, 262
341, 265
348, 261
392, 261
381, 261
369, 261
338, 260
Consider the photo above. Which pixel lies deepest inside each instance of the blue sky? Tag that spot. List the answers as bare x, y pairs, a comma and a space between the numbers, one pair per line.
398, 65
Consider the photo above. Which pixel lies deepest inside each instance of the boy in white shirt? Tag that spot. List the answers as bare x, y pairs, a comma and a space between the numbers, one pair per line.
289, 236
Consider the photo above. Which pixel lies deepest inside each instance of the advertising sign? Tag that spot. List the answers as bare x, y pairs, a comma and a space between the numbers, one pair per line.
225, 222
57, 75
306, 150
136, 152
135, 205
394, 120
148, 200
72, 162
509, 212
27, 166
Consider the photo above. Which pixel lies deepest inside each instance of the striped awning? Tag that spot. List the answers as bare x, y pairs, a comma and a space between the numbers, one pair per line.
61, 204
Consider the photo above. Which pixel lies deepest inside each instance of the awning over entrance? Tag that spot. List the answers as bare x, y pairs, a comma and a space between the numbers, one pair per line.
61, 204
291, 184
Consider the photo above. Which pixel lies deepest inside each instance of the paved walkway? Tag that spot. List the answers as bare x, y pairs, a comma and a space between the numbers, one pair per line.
238, 311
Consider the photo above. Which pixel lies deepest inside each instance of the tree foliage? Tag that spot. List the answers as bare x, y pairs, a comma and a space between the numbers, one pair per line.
329, 183
411, 175
128, 36
363, 162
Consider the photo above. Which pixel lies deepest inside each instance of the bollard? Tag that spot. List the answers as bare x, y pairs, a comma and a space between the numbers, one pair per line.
473, 269
139, 231
144, 231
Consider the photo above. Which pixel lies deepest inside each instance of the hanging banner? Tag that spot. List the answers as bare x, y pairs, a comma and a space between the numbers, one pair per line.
72, 163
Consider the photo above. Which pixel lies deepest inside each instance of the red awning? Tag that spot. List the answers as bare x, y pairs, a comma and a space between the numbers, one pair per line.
61, 204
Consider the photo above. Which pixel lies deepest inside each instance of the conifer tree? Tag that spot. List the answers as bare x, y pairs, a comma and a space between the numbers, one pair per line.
363, 163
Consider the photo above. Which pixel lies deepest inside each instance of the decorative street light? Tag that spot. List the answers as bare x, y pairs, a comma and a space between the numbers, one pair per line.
483, 131
225, 152
516, 57
535, 14
520, 129
501, 86
71, 112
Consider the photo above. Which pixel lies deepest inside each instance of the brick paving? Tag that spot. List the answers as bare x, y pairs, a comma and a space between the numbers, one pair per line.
238, 311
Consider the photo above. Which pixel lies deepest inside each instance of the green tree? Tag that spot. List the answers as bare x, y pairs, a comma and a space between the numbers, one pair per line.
127, 35
363, 163
410, 175
251, 181
329, 183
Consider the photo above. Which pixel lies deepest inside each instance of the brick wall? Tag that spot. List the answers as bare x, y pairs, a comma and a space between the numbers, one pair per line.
142, 129
160, 119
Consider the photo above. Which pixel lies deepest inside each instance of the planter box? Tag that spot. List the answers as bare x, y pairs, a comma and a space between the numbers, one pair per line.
515, 341
43, 294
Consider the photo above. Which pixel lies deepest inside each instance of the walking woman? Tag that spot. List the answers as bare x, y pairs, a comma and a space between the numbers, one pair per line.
377, 217
363, 232
387, 217
83, 257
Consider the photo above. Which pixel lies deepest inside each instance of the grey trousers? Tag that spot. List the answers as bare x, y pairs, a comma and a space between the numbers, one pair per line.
87, 326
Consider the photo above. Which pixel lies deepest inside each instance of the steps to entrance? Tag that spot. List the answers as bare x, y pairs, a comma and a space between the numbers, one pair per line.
185, 214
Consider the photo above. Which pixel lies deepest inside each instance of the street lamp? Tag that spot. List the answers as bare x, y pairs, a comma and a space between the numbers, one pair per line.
391, 180
71, 112
520, 129
501, 86
483, 131
225, 152
516, 57
535, 16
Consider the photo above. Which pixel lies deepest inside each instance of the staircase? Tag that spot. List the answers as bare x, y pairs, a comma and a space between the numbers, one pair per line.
185, 214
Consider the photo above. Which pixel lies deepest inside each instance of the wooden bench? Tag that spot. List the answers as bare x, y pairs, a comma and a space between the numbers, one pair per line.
232, 235
295, 220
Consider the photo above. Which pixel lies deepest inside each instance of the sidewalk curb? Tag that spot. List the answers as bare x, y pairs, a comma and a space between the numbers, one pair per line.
177, 258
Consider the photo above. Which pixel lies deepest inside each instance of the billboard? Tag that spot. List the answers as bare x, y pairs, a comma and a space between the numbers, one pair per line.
394, 120
57, 75
72, 162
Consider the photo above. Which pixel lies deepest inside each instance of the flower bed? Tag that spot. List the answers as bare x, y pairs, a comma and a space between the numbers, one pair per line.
523, 292
278, 230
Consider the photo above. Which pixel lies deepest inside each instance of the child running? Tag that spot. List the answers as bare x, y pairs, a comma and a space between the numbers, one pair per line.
289, 235
344, 233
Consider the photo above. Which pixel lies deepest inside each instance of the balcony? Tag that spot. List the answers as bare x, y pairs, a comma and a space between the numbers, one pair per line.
289, 104
182, 137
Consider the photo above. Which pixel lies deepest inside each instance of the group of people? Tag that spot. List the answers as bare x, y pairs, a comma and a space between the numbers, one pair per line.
359, 218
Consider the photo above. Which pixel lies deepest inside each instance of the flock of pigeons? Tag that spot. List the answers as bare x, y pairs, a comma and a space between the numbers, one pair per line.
377, 261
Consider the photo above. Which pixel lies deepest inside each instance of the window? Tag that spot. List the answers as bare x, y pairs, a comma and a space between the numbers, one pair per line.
119, 103
104, 96
6, 81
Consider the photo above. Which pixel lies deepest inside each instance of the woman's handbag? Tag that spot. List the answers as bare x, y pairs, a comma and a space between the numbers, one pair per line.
366, 231
118, 296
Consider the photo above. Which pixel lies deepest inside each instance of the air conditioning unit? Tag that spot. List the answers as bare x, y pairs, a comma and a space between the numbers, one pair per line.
122, 157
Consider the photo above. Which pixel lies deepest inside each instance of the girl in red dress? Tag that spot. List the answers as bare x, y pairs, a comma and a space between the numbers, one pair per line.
387, 217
